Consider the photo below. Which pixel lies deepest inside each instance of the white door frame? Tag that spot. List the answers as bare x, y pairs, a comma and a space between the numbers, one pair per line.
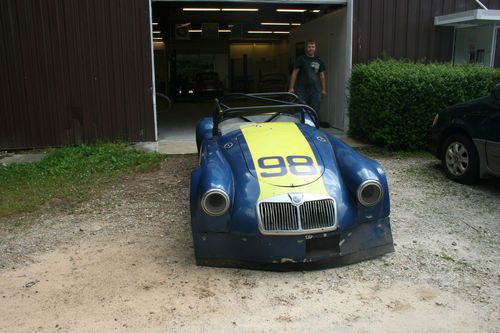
153, 81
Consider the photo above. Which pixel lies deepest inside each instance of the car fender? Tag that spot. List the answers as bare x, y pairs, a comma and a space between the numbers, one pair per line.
355, 169
214, 172
204, 129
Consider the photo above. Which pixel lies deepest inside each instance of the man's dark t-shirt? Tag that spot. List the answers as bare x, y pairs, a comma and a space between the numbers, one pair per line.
308, 77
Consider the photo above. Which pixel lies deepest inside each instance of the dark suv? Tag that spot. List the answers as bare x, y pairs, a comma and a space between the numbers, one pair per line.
466, 138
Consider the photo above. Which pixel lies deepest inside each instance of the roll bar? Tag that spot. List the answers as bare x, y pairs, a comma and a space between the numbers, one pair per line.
270, 102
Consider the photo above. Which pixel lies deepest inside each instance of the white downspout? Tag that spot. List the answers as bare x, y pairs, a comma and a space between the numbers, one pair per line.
349, 44
493, 46
153, 93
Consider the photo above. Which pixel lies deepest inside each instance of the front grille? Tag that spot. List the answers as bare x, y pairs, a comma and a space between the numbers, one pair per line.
317, 214
279, 216
284, 217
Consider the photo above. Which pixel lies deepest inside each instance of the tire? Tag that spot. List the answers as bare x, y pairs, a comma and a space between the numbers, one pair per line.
459, 159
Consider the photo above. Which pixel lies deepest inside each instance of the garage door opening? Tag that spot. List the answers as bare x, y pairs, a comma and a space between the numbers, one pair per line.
203, 50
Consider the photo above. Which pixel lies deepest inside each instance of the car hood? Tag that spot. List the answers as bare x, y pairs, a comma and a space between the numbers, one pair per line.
280, 154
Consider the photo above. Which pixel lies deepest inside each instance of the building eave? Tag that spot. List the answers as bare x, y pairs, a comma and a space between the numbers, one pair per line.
468, 18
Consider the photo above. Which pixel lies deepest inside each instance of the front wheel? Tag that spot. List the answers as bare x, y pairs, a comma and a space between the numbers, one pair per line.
459, 159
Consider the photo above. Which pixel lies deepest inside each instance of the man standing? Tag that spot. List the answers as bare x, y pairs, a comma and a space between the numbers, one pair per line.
309, 74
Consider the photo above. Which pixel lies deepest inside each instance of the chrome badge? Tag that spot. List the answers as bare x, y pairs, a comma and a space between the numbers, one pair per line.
297, 198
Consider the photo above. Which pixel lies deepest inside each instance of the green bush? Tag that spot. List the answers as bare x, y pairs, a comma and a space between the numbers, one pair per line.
392, 102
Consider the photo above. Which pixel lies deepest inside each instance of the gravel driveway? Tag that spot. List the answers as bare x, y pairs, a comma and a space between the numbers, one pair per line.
125, 262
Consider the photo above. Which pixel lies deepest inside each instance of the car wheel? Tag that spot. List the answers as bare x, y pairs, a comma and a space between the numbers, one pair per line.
459, 159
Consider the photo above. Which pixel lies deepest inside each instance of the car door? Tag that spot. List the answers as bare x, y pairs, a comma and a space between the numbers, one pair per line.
492, 125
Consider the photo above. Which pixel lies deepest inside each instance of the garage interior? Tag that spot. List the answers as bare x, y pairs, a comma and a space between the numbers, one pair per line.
251, 46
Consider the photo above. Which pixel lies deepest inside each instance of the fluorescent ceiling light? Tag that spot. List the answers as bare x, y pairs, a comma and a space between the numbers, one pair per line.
315, 11
224, 30
275, 23
201, 9
260, 32
240, 9
155, 23
291, 10
281, 32
195, 30
207, 9
156, 31
296, 24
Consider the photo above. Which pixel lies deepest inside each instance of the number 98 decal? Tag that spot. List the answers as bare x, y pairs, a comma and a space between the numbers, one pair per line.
276, 166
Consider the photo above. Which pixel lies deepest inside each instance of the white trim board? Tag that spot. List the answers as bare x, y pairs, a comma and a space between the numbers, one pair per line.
468, 18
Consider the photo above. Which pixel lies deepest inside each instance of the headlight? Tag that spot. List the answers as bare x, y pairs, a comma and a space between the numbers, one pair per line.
215, 202
370, 193
436, 117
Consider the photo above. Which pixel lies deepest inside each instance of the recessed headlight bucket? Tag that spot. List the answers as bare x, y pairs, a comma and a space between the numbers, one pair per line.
215, 202
370, 193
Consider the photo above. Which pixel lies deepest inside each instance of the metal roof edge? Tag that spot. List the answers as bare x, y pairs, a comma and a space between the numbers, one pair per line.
468, 16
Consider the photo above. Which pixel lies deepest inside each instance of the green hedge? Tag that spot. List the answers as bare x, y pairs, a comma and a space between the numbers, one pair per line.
392, 103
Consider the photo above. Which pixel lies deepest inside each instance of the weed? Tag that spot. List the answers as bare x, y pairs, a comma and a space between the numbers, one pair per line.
447, 257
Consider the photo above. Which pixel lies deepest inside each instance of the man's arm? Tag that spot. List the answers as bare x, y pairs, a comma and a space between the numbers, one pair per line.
293, 78
323, 83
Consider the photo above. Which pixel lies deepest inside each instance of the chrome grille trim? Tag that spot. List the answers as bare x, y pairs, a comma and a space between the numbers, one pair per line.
279, 215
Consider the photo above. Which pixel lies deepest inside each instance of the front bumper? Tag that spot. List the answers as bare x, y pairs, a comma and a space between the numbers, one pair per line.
285, 253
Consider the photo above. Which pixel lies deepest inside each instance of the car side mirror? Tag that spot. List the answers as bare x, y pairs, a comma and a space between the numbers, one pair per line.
495, 92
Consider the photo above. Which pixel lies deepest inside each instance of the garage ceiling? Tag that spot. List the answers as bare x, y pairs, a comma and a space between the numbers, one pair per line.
247, 17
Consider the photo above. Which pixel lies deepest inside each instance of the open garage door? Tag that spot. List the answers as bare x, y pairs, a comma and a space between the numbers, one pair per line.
205, 49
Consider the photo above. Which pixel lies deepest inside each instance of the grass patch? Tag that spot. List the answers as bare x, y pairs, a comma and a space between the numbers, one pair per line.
68, 176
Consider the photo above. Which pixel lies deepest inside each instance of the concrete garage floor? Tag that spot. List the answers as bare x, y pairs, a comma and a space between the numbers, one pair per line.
176, 128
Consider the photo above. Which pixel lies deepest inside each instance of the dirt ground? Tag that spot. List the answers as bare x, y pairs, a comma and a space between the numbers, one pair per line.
124, 262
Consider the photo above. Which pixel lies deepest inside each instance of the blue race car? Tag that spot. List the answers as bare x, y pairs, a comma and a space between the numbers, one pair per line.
274, 192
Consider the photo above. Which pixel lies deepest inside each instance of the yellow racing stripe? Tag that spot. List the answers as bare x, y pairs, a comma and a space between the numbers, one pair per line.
283, 159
